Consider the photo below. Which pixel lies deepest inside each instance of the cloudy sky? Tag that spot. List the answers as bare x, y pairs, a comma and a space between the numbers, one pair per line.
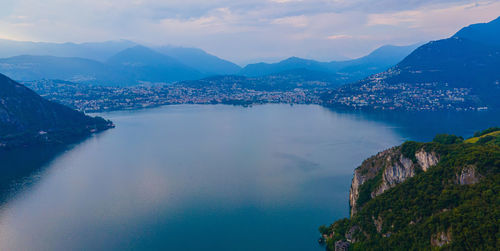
246, 30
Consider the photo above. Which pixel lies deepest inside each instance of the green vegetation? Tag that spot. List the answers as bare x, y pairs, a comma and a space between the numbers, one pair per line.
409, 148
368, 187
447, 139
482, 135
433, 210
487, 131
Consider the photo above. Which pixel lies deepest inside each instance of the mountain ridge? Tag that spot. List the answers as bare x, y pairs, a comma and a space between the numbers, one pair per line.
378, 60
458, 73
28, 119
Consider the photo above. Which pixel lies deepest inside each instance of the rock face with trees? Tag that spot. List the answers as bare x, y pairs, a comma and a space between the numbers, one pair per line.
441, 194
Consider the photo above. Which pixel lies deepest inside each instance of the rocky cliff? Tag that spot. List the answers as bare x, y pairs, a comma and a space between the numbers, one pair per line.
424, 196
384, 171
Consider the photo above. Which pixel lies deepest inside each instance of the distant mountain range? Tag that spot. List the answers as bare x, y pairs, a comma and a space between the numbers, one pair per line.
127, 63
100, 51
111, 63
379, 60
28, 119
463, 69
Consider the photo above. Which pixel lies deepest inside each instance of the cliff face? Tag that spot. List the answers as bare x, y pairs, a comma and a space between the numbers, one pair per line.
422, 196
384, 171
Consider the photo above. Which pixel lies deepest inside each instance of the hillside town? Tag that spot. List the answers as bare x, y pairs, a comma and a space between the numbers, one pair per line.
376, 94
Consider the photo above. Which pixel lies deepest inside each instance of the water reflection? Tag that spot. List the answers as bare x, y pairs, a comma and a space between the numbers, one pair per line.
225, 178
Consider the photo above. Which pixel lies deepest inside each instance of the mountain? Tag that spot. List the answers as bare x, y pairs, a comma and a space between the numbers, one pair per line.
458, 73
99, 51
200, 60
28, 119
425, 196
29, 68
143, 64
483, 33
263, 69
377, 61
128, 67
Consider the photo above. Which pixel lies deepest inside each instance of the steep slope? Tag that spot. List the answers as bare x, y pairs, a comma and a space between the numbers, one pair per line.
419, 196
28, 119
144, 64
482, 33
377, 61
200, 60
460, 73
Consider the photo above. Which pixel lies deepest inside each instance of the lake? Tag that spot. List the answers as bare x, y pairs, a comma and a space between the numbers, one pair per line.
210, 177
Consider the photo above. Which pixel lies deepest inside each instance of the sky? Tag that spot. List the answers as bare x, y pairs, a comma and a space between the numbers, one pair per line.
246, 31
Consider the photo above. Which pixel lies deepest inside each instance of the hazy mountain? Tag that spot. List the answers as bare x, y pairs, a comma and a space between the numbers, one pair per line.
467, 63
351, 70
27, 119
262, 69
144, 64
483, 32
469, 59
96, 51
128, 67
200, 60
28, 68
102, 51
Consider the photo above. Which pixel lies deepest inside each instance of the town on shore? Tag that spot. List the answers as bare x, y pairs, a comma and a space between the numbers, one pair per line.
370, 96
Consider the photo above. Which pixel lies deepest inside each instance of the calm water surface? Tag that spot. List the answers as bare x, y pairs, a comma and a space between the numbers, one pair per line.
201, 177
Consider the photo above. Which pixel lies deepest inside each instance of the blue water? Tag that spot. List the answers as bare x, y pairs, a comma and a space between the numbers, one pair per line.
194, 177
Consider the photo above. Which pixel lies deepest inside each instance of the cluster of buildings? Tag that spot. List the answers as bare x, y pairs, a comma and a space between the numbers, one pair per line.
89, 98
373, 94
379, 95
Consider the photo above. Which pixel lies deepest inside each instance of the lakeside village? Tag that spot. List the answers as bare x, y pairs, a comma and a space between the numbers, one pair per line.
368, 96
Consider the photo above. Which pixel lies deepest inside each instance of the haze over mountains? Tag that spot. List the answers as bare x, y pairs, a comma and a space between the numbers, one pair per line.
127, 63
467, 63
469, 59
379, 60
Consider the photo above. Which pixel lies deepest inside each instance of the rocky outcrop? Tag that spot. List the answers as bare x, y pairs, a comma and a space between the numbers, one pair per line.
426, 160
367, 171
342, 246
392, 168
378, 223
394, 174
440, 239
468, 176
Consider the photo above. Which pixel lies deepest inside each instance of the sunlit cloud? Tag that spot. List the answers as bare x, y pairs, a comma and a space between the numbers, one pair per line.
334, 37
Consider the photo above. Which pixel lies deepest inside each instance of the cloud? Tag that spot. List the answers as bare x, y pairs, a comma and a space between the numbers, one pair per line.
343, 36
294, 21
240, 30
